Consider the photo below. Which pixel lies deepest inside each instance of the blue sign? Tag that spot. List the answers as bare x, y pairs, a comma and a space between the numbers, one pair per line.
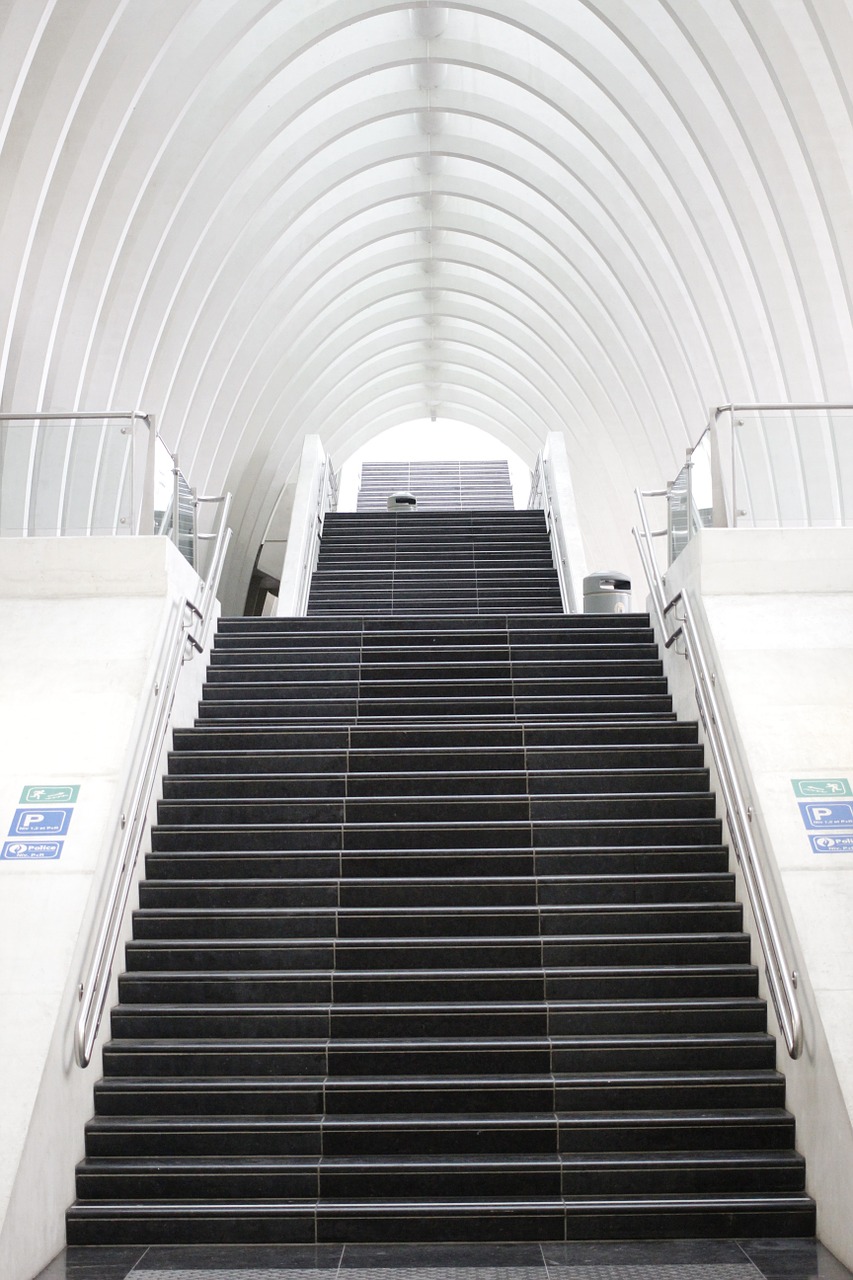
40, 822
31, 850
828, 815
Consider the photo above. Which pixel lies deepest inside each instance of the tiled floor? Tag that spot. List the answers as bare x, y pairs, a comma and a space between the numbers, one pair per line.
625, 1260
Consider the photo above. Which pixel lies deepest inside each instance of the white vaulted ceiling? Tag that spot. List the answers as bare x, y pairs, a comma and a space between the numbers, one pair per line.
265, 218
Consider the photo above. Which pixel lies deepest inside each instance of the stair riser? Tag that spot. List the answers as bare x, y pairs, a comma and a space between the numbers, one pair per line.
547, 1182
452, 862
401, 1024
707, 949
418, 894
458, 837
287, 1097
415, 787
653, 984
496, 809
304, 1138
437, 923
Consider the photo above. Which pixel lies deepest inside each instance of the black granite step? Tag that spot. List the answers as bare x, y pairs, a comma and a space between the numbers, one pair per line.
470, 987
756, 1129
459, 922
425, 1019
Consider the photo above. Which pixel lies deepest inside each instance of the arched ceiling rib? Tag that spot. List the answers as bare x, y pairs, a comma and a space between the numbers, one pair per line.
261, 218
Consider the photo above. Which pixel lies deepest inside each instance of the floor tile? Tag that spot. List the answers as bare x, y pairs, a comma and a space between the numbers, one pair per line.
236, 1273
441, 1256
642, 1253
580, 1260
794, 1260
240, 1258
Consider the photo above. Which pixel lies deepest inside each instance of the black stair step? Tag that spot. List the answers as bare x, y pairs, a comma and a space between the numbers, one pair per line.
404, 1020
416, 809
590, 762
578, 860
456, 836
596, 734
565, 625
132, 1136
414, 954
420, 785
363, 924
151, 1095
475, 707
415, 892
604, 658
186, 862
460, 985
437, 1056
590, 1218
402, 669
442, 1175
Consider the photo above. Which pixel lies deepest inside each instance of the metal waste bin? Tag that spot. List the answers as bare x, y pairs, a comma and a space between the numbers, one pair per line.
607, 592
402, 501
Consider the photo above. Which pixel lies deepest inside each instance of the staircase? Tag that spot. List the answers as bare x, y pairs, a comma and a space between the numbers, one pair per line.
438, 486
438, 939
429, 564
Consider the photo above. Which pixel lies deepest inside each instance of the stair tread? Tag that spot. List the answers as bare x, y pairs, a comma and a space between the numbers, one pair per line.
499, 1120
679, 1159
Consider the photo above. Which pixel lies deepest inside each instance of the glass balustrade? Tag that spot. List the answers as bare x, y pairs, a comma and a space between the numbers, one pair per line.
88, 474
792, 467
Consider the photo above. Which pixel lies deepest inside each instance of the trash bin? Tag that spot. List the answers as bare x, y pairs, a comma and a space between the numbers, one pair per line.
607, 592
402, 501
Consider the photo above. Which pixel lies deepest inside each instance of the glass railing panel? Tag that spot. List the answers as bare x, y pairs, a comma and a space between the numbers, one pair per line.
793, 467
690, 498
63, 476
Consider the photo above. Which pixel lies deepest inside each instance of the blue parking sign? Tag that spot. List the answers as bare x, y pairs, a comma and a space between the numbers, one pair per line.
41, 822
828, 815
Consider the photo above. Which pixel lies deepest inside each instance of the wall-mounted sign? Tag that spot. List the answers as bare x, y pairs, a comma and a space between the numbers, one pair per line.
831, 844
31, 850
828, 815
44, 814
825, 788
50, 795
40, 822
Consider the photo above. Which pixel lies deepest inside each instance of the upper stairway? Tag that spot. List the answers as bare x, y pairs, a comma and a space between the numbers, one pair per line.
438, 486
438, 941
472, 562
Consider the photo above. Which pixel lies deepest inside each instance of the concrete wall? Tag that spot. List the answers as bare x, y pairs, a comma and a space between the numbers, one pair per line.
83, 625
775, 608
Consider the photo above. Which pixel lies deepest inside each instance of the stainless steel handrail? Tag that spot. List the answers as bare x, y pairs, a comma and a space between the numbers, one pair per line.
540, 499
326, 499
792, 407
94, 986
781, 977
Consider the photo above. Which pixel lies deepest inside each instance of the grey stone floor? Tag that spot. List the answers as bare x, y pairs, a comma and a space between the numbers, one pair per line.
623, 1260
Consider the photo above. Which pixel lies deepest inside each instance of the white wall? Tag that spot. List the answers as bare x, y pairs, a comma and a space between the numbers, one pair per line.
775, 608
83, 624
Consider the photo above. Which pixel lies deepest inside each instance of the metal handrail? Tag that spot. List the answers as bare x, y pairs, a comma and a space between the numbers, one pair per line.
326, 498
180, 643
781, 978
792, 407
540, 500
